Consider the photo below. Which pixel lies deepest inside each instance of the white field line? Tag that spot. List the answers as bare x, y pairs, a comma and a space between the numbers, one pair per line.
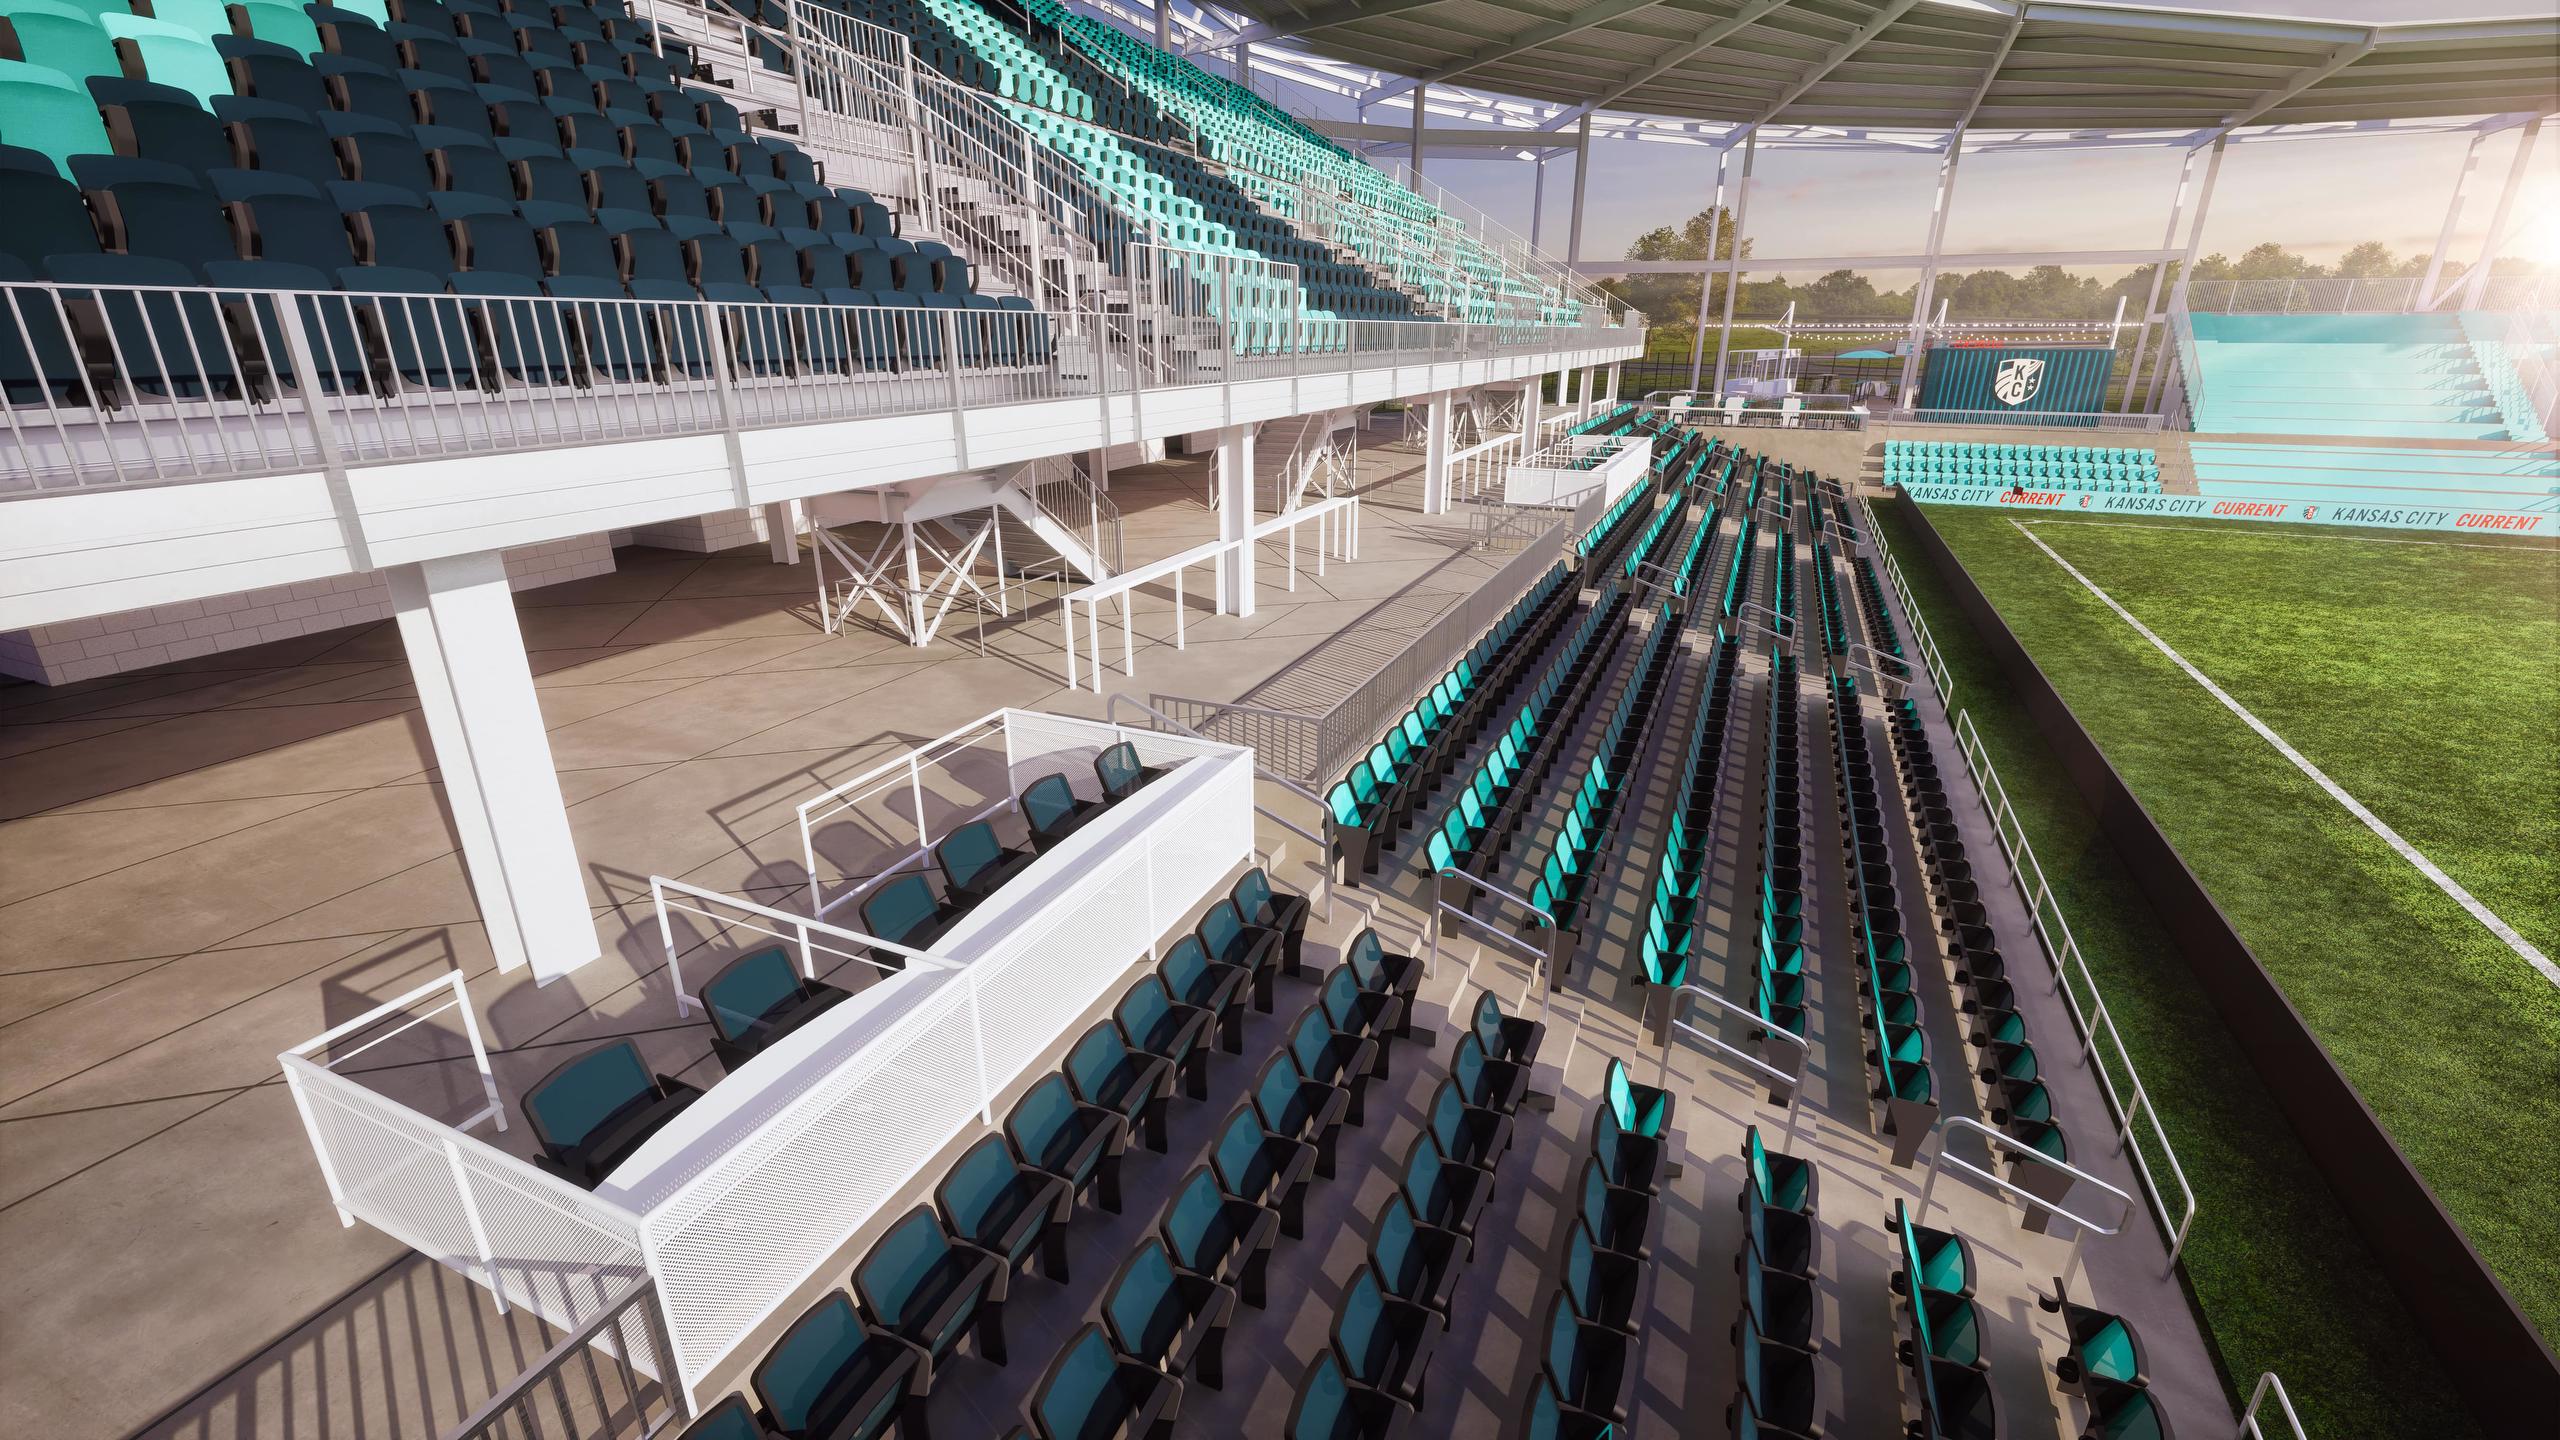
2506, 933
2226, 528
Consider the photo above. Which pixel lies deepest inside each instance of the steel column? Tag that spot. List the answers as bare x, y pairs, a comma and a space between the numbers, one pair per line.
1733, 266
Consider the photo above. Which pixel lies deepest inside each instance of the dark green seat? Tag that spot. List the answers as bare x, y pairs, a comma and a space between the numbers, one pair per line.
1106, 1072
1092, 1393
1365, 1013
1054, 1132
1334, 1057
1383, 1342
1511, 1039
1956, 1403
1588, 1363
1632, 1162
1445, 1196
1784, 1182
1230, 941
1640, 1109
1487, 1084
1939, 1261
590, 1113
1551, 1419
2104, 1358
1193, 979
906, 912
1602, 1286
1171, 1319
1776, 1389
992, 1201
831, 1377
1257, 903
757, 999
2126, 1415
1153, 1022
1781, 1305
1467, 1135
1050, 807
1414, 1261
1213, 1234
1257, 1165
1331, 1407
732, 1419
1304, 1110
920, 1286
1783, 1239
1385, 974
1118, 769
974, 864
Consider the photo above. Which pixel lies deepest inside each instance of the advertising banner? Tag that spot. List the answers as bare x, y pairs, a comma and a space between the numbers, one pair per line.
2235, 507
1965, 382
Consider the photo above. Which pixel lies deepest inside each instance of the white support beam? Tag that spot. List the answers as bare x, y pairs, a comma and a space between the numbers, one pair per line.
1581, 173
2425, 299
1838, 56
1234, 480
1581, 19
1733, 261
1322, 17
2478, 279
1435, 452
1990, 74
2336, 60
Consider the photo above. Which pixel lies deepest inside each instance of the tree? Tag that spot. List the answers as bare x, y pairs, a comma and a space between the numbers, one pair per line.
2368, 261
2268, 260
1672, 300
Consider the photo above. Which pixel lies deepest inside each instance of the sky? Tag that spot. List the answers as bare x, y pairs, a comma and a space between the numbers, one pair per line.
2313, 197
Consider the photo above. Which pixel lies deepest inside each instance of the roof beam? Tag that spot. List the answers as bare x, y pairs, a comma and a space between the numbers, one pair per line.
2338, 59
1708, 39
1322, 17
1831, 62
1583, 18
1990, 73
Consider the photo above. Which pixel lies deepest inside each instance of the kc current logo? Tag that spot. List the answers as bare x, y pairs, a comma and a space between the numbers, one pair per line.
2018, 380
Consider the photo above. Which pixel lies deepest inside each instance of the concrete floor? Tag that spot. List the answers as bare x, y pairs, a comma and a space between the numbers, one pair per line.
205, 864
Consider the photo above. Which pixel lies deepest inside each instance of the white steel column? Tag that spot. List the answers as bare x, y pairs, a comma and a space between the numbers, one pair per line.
1235, 518
1435, 453
1581, 173
458, 623
1533, 403
1733, 266
1537, 199
1419, 91
2159, 276
1707, 275
1612, 396
1929, 265
2187, 270
2425, 299
782, 531
2476, 285
1164, 25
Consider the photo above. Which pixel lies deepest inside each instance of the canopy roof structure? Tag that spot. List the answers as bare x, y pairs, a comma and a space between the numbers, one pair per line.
1932, 65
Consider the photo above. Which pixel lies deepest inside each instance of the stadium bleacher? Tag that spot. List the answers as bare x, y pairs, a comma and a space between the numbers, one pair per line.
2416, 376
2102, 470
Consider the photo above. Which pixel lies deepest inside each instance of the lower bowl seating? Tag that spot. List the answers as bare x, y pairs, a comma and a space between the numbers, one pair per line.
2033, 467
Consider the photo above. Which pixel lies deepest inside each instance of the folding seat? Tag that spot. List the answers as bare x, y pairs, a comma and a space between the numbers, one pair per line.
1355, 824
1617, 1219
1467, 1135
286, 25
270, 136
1259, 904
46, 219
65, 39
1050, 808
378, 152
481, 62
1103, 1070
1601, 1286
1118, 769
1587, 1363
931, 1292
1381, 973
450, 104
759, 998
1777, 1393
357, 88
1383, 1342
1255, 1164
1331, 1407
1009, 1210
1191, 978
974, 865
2125, 1415
1155, 1024
159, 122
645, 146
1170, 1319
345, 31
1369, 1014
1641, 1110
464, 164
905, 912
1631, 1161
591, 1112
833, 1375
2102, 1360
1299, 1107
1488, 1084
1220, 1237
1252, 948
730, 1419
50, 114
578, 263
681, 207
1551, 1419
168, 54
1446, 1196
1080, 1144
1089, 1390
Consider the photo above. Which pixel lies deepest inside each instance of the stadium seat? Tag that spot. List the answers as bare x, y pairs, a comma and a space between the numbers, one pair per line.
1104, 1071
832, 1376
1229, 941
1587, 1363
1297, 1107
591, 1112
905, 912
974, 865
1118, 769
1051, 809
1258, 903
1154, 1024
1012, 1212
1219, 1236
732, 1418
1262, 1168
1777, 1391
1330, 1407
759, 998
1170, 1319
1057, 1134
920, 1286
50, 114
1193, 979
1384, 1343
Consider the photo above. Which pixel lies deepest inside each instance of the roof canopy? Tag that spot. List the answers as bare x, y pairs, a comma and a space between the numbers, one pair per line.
1936, 64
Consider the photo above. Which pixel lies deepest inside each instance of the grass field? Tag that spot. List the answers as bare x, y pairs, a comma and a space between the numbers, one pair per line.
2419, 677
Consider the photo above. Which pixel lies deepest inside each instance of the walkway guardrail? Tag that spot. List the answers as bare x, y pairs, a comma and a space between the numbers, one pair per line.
569, 1393
2328, 295
1949, 1125
1337, 523
1783, 1084
2268, 1385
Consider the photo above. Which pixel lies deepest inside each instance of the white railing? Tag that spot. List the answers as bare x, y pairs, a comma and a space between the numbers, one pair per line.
151, 385
2325, 295
671, 898
617, 1399
2522, 368
1919, 622
2268, 1385
2019, 1149
1783, 1082
1337, 523
1062, 492
2130, 1100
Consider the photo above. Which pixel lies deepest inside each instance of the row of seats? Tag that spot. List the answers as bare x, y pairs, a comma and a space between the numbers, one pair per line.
1826, 591
1377, 798
1737, 578
1882, 633
1676, 900
1777, 941
1561, 881
1897, 1047
1454, 841
1776, 1396
1942, 1330
1369, 1379
1694, 557
1591, 1325
1604, 530
2073, 467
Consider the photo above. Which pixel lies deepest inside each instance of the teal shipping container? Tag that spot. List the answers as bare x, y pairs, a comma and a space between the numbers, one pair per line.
1985, 384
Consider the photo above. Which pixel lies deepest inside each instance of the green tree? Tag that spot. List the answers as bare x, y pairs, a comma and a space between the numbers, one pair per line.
1669, 300
2368, 261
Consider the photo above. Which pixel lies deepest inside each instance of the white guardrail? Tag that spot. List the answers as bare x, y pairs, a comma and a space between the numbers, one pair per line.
1337, 523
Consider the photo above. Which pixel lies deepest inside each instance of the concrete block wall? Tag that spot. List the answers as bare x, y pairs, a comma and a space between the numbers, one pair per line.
98, 645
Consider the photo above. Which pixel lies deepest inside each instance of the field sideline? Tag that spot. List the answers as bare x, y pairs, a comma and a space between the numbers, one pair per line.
2418, 675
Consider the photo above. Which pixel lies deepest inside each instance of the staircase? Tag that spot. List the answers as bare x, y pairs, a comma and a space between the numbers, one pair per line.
2412, 376
1047, 508
1301, 457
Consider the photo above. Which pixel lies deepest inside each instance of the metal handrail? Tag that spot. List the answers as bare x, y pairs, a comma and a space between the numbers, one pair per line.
1111, 713
2267, 1382
1785, 1081
1998, 1141
510, 1414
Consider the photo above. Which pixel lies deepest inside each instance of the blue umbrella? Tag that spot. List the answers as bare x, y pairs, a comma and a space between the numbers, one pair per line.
1862, 355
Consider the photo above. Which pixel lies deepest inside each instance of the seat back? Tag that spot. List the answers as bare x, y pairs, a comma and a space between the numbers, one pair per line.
748, 989
1191, 1217
731, 1419
1422, 1178
1448, 1116
1308, 1040
1367, 959
1144, 1008
897, 909
889, 1276
1048, 801
1362, 1329
975, 1183
1118, 769
1078, 1388
1466, 1066
1252, 891
1238, 1153
570, 1102
1564, 1356
1324, 1402
1222, 931
1340, 995
795, 1372
1488, 1024
968, 851
1135, 1307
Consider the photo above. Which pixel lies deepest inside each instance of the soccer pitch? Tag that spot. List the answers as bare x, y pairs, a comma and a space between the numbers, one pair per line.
2418, 674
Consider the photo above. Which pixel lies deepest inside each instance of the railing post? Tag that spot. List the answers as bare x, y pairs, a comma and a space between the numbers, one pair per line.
324, 432
950, 327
